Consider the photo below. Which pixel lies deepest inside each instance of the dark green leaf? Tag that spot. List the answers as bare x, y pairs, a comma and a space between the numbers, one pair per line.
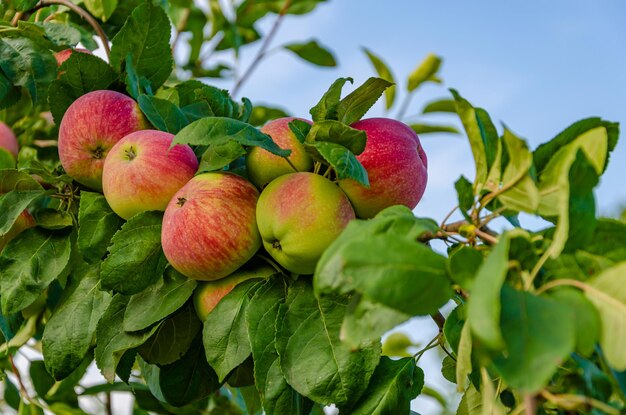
29, 264
448, 369
146, 36
383, 72
356, 104
53, 219
464, 264
11, 179
311, 51
42, 381
465, 194
24, 5
112, 342
326, 108
341, 159
69, 333
440, 105
97, 225
539, 334
136, 258
300, 129
158, 300
164, 115
62, 34
585, 318
11, 394
218, 102
335, 132
12, 204
426, 71
394, 384
220, 155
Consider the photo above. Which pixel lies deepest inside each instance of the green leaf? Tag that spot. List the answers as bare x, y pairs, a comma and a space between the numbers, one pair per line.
42, 381
335, 132
188, 379
312, 358
584, 315
28, 264
440, 105
539, 335
69, 333
28, 64
12, 204
162, 114
80, 74
11, 179
173, 338
102, 9
484, 304
11, 394
217, 102
146, 36
392, 387
262, 114
455, 321
112, 342
465, 194
53, 219
213, 131
300, 129
326, 108
464, 264
225, 334
62, 34
24, 5
421, 128
425, 71
356, 104
158, 300
97, 224
136, 258
471, 402
345, 163
383, 72
464, 357
218, 156
607, 292
311, 51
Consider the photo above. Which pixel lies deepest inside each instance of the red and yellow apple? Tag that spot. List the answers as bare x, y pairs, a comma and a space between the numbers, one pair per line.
209, 227
90, 127
23, 222
396, 166
263, 166
141, 172
208, 293
8, 140
299, 215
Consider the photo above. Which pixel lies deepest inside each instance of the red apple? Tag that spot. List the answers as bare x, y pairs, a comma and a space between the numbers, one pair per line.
396, 166
263, 166
65, 54
299, 216
23, 222
90, 127
141, 172
209, 226
208, 293
8, 141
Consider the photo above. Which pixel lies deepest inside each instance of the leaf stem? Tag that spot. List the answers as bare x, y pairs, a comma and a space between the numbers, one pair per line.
560, 282
291, 164
431, 345
261, 53
537, 268
16, 18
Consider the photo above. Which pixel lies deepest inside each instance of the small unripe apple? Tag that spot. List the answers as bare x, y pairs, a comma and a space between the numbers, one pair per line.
208, 293
263, 166
396, 167
209, 226
141, 172
90, 127
299, 216
8, 140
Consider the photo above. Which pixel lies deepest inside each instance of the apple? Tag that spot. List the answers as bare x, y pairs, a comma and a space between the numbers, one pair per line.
396, 166
23, 222
90, 127
8, 140
65, 54
209, 227
208, 293
141, 172
299, 216
263, 166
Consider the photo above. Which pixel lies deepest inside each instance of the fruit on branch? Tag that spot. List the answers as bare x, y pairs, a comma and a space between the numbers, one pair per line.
209, 227
23, 222
208, 293
299, 216
263, 166
8, 141
90, 127
65, 54
141, 172
396, 166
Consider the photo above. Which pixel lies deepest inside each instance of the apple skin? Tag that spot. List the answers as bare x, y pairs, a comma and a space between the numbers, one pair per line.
396, 166
299, 215
208, 293
263, 166
23, 222
141, 172
209, 226
8, 140
90, 127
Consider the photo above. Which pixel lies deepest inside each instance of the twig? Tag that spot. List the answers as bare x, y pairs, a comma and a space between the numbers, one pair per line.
492, 240
108, 406
16, 18
20, 382
261, 52
439, 319
530, 404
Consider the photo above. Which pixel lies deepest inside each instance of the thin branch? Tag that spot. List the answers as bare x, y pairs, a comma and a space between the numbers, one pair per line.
16, 18
261, 53
492, 240
439, 319
530, 404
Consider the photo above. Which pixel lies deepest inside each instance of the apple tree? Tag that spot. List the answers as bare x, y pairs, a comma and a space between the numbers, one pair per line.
292, 322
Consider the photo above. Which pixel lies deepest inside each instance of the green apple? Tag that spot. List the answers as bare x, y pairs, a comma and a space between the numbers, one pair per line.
263, 166
299, 215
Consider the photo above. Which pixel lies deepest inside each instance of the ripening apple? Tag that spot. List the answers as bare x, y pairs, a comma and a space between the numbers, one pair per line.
8, 140
23, 222
141, 172
209, 227
299, 215
65, 54
396, 167
208, 293
263, 166
90, 127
